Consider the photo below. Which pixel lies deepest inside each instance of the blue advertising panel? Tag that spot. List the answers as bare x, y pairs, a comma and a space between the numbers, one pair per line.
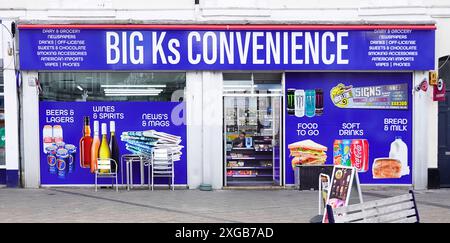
134, 49
140, 127
353, 119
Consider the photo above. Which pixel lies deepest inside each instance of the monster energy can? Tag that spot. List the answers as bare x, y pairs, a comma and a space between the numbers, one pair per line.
291, 101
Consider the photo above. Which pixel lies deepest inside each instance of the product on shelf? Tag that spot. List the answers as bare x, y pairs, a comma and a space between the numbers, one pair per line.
235, 164
263, 147
307, 152
266, 164
386, 168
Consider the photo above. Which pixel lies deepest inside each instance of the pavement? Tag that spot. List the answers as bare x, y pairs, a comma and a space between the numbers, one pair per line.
189, 206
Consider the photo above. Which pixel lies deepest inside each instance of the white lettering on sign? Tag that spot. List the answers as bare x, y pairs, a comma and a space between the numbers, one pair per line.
367, 91
173, 45
117, 47
191, 36
340, 47
157, 48
210, 47
273, 48
227, 47
112, 48
296, 47
243, 48
325, 59
140, 49
210, 37
257, 47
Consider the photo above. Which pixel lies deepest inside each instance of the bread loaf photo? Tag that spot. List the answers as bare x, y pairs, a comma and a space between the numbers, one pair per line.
386, 168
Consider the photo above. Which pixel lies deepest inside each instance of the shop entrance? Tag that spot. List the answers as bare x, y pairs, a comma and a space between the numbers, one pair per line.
252, 131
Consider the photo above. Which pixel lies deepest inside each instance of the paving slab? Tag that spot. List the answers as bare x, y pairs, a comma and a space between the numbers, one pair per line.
189, 206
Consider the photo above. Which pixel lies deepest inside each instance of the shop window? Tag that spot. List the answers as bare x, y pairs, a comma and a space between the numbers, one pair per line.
112, 86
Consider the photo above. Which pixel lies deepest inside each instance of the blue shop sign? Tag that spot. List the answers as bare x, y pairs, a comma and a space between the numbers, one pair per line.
145, 49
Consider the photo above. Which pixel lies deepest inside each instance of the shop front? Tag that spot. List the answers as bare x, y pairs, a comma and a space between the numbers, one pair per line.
268, 97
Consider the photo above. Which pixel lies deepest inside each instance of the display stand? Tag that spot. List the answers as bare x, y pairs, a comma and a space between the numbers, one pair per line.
344, 188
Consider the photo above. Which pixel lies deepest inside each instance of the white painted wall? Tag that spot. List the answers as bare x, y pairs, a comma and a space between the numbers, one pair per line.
212, 120
31, 145
424, 131
11, 103
194, 118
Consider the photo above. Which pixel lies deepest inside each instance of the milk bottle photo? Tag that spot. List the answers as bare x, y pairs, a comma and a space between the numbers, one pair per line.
399, 150
299, 103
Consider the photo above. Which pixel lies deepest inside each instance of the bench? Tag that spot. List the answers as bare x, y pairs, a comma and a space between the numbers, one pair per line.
399, 209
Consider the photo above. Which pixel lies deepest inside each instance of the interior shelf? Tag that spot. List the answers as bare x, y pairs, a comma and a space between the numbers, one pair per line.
248, 176
250, 168
254, 116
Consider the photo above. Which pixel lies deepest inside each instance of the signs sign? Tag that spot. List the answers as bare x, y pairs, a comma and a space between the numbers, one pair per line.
140, 49
376, 97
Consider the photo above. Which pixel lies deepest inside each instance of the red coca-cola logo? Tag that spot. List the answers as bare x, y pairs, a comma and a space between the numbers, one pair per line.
357, 155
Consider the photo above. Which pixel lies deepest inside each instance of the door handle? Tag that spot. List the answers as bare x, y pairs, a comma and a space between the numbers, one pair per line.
447, 153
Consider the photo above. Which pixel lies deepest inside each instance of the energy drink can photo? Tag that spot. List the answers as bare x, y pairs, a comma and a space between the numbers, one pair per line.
310, 102
299, 103
319, 102
291, 101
